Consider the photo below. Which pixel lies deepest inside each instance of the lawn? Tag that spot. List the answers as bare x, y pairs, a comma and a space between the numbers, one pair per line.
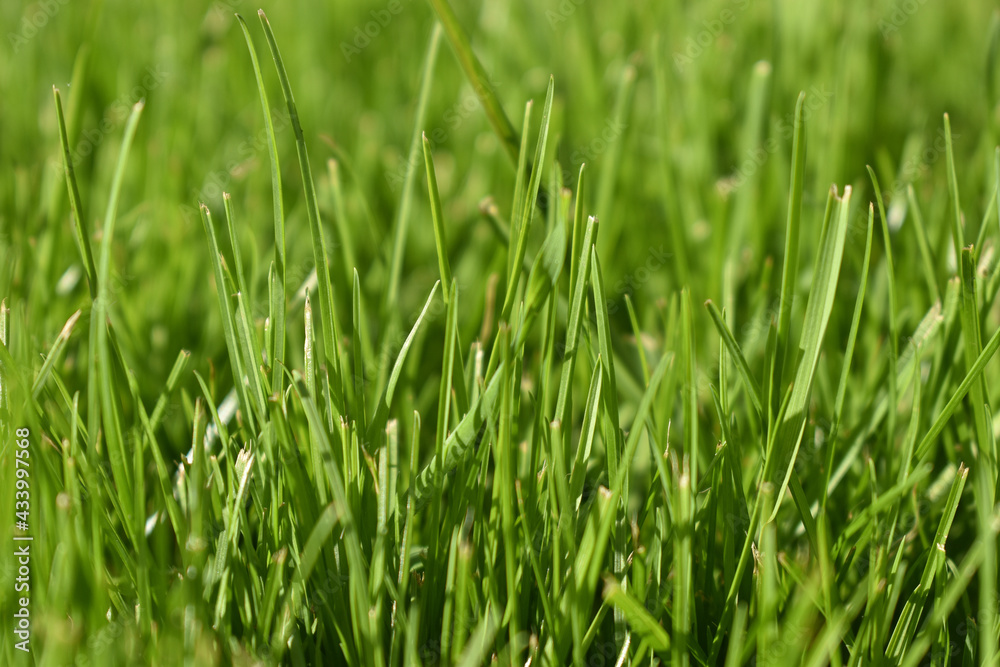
562, 333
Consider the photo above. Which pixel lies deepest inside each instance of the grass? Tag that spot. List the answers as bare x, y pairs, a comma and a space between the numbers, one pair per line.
377, 402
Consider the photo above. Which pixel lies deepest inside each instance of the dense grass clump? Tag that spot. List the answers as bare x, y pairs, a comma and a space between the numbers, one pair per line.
688, 363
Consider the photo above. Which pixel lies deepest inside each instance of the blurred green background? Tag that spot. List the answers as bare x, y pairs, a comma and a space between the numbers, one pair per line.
877, 74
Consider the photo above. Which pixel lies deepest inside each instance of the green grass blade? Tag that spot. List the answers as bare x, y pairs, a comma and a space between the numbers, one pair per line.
437, 217
780, 462
578, 229
564, 397
587, 430
738, 637
543, 278
893, 326
613, 433
381, 414
906, 627
328, 318
946, 602
790, 266
340, 219
82, 237
956, 219
280, 262
478, 78
753, 389
401, 223
971, 377
523, 217
110, 409
55, 352
358, 354
228, 320
652, 633
923, 244
462, 440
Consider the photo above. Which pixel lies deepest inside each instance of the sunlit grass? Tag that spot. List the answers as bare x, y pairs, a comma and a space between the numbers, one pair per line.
315, 414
